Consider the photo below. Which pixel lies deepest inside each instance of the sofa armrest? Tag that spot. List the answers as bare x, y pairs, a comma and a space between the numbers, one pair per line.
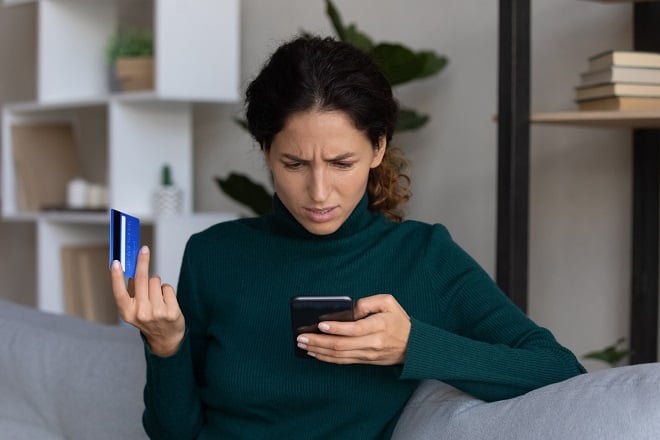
69, 377
616, 403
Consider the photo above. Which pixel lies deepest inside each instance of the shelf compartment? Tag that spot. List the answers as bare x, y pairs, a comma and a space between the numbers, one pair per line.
189, 66
144, 136
89, 130
52, 236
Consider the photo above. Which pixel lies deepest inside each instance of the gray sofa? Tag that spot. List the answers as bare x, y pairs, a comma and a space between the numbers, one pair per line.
64, 378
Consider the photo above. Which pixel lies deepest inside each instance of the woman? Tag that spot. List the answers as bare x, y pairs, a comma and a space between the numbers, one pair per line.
220, 363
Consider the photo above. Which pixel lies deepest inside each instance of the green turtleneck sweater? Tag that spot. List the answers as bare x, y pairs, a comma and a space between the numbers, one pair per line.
235, 374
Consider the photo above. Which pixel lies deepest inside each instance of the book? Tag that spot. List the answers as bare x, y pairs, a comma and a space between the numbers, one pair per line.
621, 74
45, 160
620, 103
617, 89
86, 283
98, 300
623, 58
70, 282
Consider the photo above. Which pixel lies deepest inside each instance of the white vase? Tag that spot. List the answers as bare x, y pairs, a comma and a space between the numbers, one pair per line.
167, 201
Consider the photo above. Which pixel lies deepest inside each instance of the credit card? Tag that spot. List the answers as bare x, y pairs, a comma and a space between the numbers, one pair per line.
124, 240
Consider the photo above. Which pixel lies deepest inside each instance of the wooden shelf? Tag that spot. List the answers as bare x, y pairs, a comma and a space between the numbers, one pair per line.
606, 119
122, 139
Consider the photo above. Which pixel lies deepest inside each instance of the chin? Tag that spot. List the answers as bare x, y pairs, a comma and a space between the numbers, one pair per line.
321, 228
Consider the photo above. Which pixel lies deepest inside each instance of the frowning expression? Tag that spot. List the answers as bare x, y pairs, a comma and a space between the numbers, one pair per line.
320, 165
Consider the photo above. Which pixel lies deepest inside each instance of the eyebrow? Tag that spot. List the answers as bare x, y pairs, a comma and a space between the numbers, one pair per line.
333, 159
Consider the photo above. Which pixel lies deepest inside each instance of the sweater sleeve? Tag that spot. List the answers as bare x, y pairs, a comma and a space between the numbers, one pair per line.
487, 346
173, 408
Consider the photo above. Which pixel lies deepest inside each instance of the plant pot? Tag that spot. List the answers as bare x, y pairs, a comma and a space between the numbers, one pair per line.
167, 201
135, 73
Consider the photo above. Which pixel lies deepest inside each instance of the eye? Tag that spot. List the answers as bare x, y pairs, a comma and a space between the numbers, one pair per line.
292, 165
343, 165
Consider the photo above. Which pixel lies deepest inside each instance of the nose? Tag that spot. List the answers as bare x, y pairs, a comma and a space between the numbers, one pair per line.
318, 185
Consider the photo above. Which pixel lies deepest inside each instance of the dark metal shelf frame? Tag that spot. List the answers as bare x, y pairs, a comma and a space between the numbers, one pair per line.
513, 175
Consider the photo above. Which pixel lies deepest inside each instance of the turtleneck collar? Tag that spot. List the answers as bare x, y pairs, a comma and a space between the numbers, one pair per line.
282, 222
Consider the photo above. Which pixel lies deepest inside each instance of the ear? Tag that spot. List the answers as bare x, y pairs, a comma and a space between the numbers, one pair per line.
379, 153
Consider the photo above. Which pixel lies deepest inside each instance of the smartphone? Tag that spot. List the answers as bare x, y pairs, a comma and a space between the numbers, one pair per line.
308, 311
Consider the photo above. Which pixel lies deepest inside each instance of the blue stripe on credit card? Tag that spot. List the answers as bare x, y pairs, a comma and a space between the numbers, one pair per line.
124, 240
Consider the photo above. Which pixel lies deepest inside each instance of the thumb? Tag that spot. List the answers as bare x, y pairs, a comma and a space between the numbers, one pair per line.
374, 304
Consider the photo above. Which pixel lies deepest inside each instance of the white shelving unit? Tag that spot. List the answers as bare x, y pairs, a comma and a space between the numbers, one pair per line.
124, 139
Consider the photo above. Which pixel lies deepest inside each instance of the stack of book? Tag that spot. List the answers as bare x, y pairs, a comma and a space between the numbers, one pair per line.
86, 283
620, 80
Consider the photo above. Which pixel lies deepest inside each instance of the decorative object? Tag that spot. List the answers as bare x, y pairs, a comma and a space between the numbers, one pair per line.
76, 193
168, 198
130, 60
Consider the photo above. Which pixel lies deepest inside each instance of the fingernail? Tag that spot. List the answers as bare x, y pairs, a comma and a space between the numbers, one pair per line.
302, 346
116, 265
311, 354
324, 327
144, 250
302, 340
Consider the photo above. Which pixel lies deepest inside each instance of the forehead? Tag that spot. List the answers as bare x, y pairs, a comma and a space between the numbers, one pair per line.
320, 129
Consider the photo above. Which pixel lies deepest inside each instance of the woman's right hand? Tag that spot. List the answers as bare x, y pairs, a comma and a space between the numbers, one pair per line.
150, 306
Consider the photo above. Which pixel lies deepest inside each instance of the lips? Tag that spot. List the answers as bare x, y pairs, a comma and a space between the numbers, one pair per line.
320, 211
320, 215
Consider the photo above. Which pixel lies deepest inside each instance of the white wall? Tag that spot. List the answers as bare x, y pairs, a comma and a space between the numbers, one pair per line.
580, 189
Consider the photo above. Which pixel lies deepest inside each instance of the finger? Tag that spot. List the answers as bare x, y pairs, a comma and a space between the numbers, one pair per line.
156, 292
361, 327
345, 351
374, 304
169, 296
122, 297
363, 350
353, 358
171, 303
142, 275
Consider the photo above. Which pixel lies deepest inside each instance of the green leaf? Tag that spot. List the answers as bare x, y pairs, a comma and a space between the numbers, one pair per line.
128, 42
612, 354
335, 19
400, 64
409, 120
432, 62
241, 123
246, 192
350, 34
358, 38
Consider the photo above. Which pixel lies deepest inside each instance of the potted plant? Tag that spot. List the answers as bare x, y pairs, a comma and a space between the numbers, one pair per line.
130, 56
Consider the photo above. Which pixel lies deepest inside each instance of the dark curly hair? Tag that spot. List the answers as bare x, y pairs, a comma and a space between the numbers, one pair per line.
313, 73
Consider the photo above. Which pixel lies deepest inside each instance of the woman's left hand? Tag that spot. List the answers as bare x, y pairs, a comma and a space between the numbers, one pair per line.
378, 336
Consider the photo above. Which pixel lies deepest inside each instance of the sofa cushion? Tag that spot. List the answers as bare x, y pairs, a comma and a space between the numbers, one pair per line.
71, 378
618, 403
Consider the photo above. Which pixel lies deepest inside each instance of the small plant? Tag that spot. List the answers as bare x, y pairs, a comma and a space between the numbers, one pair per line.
612, 355
129, 43
166, 176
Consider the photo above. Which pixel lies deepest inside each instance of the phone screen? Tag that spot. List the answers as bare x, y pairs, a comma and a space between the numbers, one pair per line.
308, 311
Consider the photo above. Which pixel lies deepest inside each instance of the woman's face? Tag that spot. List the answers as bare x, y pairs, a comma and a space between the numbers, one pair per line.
320, 165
